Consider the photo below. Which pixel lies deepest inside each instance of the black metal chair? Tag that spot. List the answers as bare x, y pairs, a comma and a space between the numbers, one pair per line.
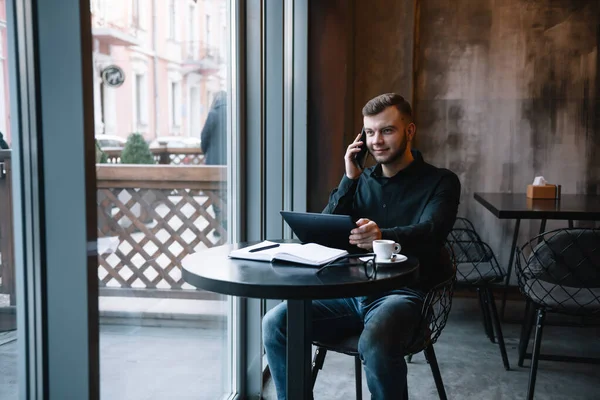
464, 223
478, 268
434, 316
557, 271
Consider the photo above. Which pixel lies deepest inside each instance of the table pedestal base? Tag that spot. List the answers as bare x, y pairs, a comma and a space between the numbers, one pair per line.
299, 326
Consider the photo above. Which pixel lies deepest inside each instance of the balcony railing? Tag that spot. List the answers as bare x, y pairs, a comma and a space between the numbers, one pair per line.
163, 155
201, 57
118, 29
159, 213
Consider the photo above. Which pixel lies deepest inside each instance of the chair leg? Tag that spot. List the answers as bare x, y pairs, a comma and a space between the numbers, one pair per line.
318, 361
435, 370
511, 261
523, 339
498, 327
485, 311
358, 377
529, 322
541, 315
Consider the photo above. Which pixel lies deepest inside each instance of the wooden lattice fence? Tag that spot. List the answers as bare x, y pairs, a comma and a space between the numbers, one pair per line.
160, 213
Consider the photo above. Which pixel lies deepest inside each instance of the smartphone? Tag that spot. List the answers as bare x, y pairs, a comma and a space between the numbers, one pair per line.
361, 156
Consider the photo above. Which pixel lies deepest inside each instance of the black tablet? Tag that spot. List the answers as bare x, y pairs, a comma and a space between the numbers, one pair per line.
330, 230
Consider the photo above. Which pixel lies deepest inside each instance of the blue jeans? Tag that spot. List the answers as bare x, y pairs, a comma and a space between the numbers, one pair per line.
386, 324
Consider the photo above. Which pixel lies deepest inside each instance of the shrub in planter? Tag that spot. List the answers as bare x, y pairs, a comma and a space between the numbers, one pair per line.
136, 151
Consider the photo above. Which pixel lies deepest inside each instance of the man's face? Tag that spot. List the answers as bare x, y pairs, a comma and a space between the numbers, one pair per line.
388, 135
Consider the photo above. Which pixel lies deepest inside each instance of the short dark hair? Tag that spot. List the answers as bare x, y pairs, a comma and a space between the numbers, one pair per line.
383, 101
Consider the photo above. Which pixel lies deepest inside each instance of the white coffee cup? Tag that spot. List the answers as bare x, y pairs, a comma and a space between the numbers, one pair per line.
385, 249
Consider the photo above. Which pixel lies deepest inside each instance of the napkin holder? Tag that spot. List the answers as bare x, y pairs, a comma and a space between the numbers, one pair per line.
543, 191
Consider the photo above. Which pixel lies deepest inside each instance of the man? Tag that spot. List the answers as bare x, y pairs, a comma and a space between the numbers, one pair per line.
213, 141
401, 198
213, 138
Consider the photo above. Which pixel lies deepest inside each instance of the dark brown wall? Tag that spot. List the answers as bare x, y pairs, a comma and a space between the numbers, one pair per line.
329, 95
357, 50
502, 90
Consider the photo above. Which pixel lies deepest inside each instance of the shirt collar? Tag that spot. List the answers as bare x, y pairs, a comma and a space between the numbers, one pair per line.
418, 162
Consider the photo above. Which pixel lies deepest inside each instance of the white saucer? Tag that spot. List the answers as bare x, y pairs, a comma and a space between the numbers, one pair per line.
396, 260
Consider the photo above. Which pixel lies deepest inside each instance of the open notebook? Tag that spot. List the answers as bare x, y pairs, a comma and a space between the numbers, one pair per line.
309, 253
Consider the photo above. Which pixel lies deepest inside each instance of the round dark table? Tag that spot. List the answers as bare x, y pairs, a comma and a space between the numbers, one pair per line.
213, 270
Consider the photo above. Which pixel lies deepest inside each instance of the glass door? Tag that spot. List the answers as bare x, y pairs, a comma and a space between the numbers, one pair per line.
163, 94
117, 167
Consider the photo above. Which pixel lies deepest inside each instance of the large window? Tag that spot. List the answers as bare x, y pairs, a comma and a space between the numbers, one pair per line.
99, 233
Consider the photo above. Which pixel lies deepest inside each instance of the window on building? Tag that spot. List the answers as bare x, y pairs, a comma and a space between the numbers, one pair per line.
135, 13
191, 39
208, 35
194, 108
141, 103
175, 105
172, 19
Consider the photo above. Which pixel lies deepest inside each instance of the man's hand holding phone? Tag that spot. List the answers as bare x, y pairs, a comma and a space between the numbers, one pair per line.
355, 150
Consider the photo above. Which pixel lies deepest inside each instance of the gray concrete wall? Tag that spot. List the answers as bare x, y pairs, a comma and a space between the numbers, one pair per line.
383, 52
502, 90
505, 91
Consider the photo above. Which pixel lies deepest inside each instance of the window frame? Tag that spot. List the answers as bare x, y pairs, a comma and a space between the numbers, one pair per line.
57, 297
275, 157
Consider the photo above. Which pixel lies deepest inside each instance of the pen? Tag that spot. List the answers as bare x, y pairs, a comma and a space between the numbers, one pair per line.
271, 246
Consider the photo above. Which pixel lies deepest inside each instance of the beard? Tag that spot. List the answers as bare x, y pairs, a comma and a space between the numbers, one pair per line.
394, 156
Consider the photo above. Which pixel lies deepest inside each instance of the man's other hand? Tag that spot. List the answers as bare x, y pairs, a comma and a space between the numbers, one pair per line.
352, 169
365, 232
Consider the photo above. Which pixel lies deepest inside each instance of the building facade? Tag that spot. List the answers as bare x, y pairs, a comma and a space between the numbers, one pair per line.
4, 86
173, 57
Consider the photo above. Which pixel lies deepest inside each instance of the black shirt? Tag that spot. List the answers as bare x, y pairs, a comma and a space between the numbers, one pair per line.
416, 208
